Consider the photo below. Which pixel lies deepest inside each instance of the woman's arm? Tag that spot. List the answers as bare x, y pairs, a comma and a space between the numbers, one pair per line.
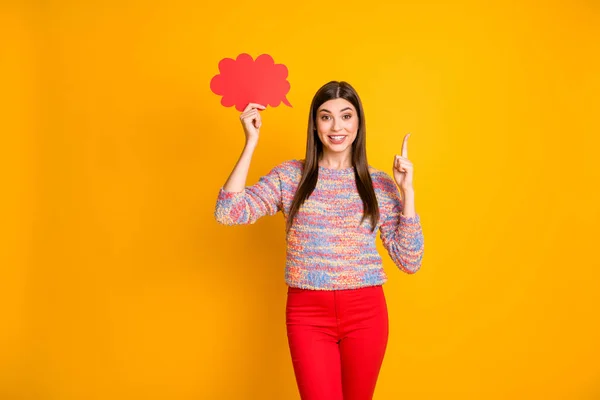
408, 202
252, 202
400, 230
237, 179
238, 204
251, 122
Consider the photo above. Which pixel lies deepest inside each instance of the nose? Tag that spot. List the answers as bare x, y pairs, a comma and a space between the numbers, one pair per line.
337, 125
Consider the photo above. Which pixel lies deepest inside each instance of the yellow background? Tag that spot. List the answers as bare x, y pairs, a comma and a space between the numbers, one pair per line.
117, 283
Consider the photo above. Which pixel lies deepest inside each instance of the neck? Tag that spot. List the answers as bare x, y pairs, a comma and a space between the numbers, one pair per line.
336, 160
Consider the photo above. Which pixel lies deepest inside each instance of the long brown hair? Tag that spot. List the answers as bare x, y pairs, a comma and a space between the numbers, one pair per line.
314, 150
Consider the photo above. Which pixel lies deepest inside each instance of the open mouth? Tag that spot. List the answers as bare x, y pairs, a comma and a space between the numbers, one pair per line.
338, 139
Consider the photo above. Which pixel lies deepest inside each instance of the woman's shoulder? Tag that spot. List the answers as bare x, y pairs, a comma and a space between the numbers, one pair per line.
291, 165
377, 173
290, 168
382, 180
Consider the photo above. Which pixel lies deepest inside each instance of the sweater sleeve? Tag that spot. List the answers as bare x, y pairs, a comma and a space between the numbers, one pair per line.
247, 206
401, 236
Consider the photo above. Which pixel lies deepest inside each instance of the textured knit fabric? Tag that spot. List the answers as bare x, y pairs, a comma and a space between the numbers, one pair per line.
327, 246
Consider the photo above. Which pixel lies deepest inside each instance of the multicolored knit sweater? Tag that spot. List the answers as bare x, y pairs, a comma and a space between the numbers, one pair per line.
327, 246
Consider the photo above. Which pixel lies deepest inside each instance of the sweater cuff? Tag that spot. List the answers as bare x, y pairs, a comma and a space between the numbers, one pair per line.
410, 221
225, 195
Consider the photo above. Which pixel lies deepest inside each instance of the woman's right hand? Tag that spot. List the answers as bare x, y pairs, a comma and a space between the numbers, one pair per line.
252, 122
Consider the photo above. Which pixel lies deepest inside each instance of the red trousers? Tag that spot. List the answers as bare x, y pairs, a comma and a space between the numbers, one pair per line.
337, 341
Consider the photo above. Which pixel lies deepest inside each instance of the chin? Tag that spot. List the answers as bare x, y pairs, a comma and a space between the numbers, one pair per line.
336, 149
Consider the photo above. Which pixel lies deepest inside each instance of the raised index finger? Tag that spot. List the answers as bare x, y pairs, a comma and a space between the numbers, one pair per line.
405, 146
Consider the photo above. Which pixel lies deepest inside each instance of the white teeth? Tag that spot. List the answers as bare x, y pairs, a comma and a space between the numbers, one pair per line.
337, 137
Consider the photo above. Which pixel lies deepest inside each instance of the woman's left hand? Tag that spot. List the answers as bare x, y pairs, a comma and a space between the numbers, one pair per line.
403, 168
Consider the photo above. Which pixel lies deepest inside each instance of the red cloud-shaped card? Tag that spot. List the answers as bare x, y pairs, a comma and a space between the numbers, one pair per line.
244, 80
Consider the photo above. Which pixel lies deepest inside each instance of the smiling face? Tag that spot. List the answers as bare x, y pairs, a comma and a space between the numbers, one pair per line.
337, 125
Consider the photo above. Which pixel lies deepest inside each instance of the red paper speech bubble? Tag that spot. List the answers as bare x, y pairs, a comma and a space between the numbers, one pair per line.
244, 81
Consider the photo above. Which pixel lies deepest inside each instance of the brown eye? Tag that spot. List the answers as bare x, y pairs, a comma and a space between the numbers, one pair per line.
348, 115
325, 117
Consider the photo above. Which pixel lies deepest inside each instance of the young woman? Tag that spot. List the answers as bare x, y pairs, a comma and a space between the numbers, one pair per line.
334, 203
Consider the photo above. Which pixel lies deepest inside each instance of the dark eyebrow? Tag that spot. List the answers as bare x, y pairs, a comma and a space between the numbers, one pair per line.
347, 108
